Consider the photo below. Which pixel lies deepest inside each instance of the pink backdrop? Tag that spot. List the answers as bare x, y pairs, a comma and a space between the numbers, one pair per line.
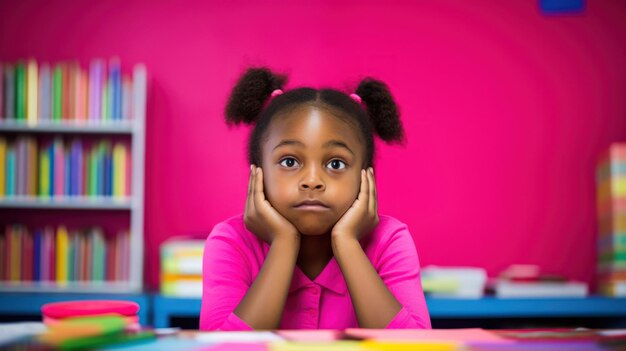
506, 109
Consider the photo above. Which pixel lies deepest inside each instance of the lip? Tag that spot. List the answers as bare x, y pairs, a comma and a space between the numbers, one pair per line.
311, 205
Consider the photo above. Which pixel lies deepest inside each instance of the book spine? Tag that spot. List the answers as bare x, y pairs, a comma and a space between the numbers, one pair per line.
20, 91
9, 92
31, 88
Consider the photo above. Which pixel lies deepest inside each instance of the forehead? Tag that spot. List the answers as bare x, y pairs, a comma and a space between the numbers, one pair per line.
312, 122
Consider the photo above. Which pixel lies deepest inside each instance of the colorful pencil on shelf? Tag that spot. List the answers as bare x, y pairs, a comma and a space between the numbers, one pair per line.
44, 92
20, 91
57, 92
9, 91
31, 90
3, 169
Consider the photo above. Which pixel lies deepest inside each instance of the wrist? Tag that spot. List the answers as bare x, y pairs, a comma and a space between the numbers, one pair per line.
342, 242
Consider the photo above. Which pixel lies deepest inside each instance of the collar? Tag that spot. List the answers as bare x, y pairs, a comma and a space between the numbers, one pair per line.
330, 278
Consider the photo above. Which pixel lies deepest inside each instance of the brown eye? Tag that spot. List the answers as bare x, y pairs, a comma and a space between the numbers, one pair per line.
288, 162
336, 164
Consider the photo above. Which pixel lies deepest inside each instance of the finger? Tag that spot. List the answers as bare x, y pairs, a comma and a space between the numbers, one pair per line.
250, 198
363, 193
373, 201
259, 195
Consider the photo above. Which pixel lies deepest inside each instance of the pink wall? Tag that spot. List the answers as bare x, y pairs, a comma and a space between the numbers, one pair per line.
505, 109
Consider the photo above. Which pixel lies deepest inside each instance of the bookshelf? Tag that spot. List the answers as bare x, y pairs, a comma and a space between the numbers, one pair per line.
130, 207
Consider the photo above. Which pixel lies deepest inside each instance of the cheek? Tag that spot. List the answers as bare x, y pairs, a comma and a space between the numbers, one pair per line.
277, 190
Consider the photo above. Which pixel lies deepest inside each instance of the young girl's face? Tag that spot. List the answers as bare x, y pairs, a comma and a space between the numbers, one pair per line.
311, 168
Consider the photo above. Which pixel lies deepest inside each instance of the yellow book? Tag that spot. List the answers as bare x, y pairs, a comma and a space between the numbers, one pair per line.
62, 255
32, 166
44, 172
119, 170
31, 92
3, 162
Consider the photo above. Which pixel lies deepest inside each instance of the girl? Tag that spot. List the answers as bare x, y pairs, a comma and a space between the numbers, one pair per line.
311, 251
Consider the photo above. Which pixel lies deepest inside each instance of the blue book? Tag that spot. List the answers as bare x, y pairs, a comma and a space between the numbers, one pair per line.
80, 181
115, 77
37, 253
10, 176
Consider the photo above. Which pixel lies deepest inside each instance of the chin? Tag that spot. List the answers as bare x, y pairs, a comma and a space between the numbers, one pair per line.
309, 228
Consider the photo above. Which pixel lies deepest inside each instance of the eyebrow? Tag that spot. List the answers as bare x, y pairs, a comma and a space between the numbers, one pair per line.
330, 143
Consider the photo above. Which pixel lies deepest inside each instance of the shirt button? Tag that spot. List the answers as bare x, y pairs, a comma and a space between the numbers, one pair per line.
312, 313
314, 290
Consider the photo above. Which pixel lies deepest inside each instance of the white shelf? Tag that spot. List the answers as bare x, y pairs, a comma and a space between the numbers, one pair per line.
74, 287
124, 127
68, 203
135, 129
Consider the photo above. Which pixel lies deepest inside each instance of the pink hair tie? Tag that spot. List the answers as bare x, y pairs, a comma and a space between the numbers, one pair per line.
356, 98
276, 92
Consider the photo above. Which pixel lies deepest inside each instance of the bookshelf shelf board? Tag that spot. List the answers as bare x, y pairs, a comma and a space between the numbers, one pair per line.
70, 203
124, 127
69, 287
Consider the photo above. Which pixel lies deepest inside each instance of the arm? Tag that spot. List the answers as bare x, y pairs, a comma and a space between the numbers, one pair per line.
374, 304
389, 295
262, 307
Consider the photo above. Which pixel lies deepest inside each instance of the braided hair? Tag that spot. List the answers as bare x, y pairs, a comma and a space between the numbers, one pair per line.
250, 103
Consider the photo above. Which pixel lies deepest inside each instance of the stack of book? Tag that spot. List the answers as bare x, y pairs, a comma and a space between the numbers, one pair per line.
527, 281
64, 92
60, 255
454, 282
611, 204
60, 168
88, 324
181, 267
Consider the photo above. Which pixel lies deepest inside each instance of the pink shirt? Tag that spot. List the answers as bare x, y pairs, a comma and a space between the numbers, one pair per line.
233, 257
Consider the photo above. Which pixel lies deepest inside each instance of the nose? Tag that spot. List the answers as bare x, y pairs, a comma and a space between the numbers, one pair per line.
312, 180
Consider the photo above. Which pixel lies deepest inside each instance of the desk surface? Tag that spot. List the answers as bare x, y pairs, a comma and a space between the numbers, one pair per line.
367, 339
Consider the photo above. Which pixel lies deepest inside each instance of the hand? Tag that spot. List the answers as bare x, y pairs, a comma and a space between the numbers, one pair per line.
260, 217
362, 217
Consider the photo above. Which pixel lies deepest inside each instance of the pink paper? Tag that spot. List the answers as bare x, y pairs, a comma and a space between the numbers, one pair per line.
450, 335
310, 335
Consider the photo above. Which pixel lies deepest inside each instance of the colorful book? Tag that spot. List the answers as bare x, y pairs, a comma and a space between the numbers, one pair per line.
96, 73
57, 92
20, 91
44, 172
9, 91
3, 168
10, 169
32, 170
44, 92
59, 167
31, 92
65, 109
62, 250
